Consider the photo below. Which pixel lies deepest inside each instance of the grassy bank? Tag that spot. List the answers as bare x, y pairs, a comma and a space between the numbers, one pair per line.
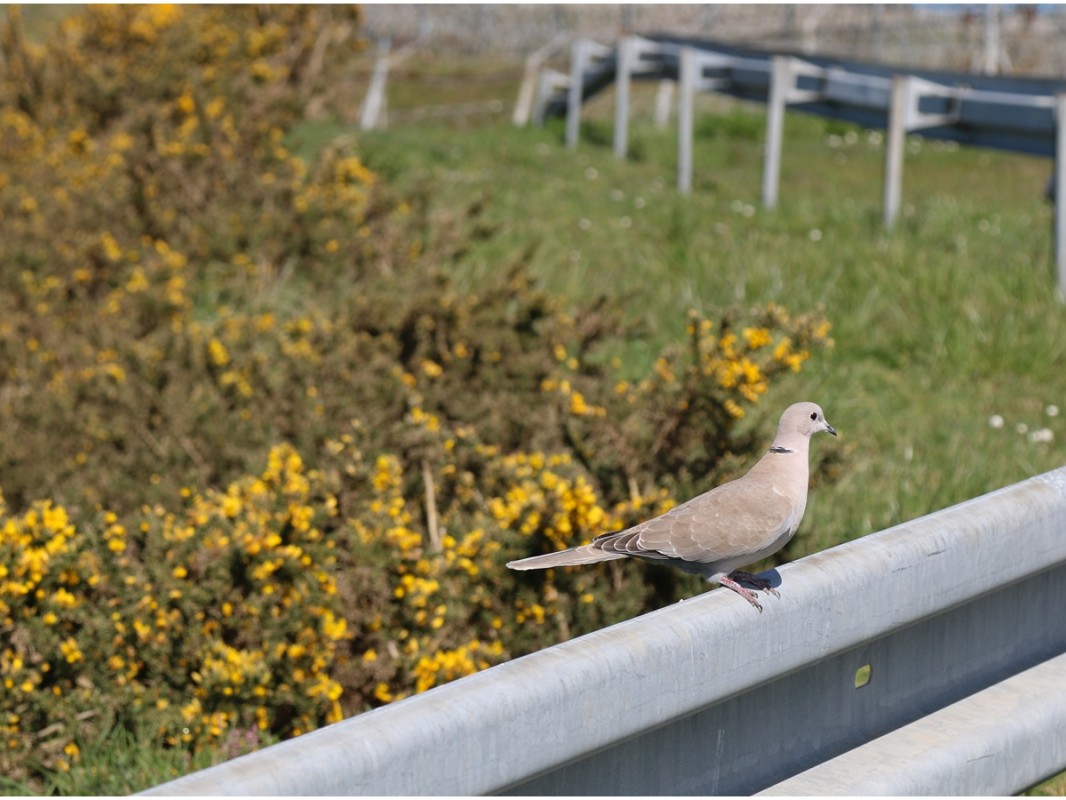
307, 380
940, 327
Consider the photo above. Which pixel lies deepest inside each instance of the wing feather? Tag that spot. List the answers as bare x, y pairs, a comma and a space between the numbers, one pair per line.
729, 520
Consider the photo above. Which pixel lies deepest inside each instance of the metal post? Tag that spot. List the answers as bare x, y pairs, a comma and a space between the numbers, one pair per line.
662, 103
686, 90
573, 98
627, 50
374, 103
894, 141
1060, 193
780, 83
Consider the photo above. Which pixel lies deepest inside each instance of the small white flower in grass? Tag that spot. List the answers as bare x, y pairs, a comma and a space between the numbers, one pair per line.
625, 222
1042, 435
639, 202
592, 173
617, 195
996, 421
584, 223
815, 235
1022, 428
1052, 411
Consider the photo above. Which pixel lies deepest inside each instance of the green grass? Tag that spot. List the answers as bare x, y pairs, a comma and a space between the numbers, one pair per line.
939, 326
120, 764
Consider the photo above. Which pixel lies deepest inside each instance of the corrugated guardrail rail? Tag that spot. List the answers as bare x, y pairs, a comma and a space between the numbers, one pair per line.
928, 658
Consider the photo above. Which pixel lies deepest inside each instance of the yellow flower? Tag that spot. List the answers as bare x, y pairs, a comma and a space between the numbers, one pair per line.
138, 281
332, 627
70, 651
218, 353
756, 337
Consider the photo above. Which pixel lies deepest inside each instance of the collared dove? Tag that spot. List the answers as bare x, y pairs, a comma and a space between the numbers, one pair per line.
737, 523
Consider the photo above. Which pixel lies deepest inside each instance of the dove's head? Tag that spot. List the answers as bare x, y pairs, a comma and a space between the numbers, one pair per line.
804, 419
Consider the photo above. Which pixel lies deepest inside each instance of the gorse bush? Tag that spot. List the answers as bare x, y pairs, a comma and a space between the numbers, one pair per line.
224, 615
262, 462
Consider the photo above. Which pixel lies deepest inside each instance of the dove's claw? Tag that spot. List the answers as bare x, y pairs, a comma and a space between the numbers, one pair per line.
758, 583
747, 594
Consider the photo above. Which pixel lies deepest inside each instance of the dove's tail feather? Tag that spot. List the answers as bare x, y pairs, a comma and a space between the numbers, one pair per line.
588, 554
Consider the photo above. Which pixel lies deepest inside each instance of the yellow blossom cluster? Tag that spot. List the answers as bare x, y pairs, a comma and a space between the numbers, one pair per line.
146, 178
223, 615
197, 285
541, 500
447, 665
743, 363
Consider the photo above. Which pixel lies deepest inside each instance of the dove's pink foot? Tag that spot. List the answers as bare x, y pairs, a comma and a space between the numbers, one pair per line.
729, 583
758, 583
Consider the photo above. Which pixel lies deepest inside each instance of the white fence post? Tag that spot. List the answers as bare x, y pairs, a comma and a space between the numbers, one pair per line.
895, 137
627, 52
690, 80
663, 97
527, 92
1060, 193
574, 93
780, 82
548, 83
374, 104
904, 116
685, 98
583, 52
784, 71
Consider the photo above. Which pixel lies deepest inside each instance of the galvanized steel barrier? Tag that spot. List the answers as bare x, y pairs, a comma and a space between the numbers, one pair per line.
928, 658
1018, 114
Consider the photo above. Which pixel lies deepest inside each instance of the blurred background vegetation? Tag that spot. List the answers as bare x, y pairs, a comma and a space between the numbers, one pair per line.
280, 399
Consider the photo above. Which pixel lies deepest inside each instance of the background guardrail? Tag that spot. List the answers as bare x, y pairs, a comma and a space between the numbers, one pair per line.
1016, 114
927, 658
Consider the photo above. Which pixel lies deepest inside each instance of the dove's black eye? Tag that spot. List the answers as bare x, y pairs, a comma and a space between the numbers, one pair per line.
814, 416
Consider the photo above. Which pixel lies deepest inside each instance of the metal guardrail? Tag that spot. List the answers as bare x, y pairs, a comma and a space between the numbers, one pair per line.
926, 658
1015, 114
